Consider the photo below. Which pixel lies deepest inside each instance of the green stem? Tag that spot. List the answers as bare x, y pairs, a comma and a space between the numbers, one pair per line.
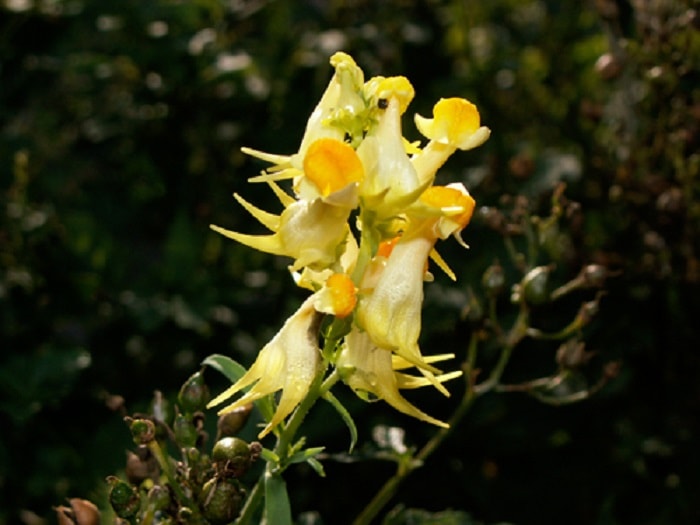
386, 493
391, 486
285, 439
167, 468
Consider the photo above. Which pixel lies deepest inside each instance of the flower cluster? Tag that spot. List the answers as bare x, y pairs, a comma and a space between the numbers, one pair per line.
360, 225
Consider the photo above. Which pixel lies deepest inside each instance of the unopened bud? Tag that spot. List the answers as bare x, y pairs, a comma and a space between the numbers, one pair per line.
194, 394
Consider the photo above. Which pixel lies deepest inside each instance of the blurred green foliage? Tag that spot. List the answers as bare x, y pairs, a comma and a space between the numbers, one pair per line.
121, 123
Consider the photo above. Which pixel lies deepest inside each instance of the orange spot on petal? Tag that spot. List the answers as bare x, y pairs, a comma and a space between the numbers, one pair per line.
386, 247
343, 294
331, 165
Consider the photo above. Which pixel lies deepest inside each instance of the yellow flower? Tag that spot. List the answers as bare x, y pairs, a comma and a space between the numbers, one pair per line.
313, 233
289, 362
391, 311
371, 372
311, 230
456, 124
340, 112
391, 182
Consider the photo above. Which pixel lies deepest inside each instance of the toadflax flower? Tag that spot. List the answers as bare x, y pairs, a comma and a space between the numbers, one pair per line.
371, 372
289, 362
456, 124
391, 311
311, 230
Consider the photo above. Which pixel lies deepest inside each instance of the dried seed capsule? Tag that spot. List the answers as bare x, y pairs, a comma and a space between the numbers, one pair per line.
124, 498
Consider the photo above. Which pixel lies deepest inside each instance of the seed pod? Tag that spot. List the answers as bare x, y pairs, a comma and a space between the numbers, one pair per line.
194, 394
222, 500
230, 423
124, 498
493, 279
594, 275
232, 455
535, 285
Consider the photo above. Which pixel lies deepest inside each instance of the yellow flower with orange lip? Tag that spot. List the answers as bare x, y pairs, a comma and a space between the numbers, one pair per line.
289, 362
341, 103
456, 124
390, 313
311, 231
372, 373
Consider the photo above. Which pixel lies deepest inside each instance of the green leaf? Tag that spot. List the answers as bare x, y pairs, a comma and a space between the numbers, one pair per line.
233, 371
227, 366
270, 456
317, 466
328, 396
277, 507
304, 455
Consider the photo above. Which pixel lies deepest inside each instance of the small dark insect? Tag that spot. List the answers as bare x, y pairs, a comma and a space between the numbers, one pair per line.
382, 103
347, 138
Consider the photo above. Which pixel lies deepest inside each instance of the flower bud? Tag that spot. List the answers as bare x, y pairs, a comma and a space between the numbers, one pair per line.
233, 455
194, 394
221, 500
185, 432
124, 498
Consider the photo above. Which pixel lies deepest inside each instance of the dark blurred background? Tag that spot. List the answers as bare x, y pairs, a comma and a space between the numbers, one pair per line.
121, 123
